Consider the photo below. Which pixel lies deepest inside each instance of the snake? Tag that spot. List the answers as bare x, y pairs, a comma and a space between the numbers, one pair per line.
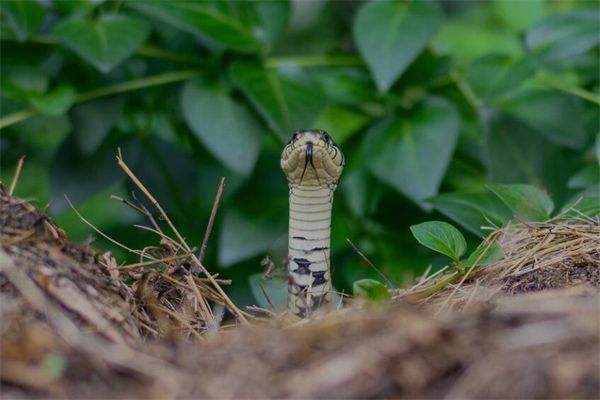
312, 163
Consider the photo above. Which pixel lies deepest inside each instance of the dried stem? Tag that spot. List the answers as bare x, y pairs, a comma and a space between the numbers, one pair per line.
15, 179
164, 215
211, 220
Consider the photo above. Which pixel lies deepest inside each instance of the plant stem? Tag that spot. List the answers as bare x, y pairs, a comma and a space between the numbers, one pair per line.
137, 84
315, 61
16, 117
110, 90
568, 88
466, 90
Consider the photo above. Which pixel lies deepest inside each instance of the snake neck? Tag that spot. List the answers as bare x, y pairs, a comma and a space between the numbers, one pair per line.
309, 284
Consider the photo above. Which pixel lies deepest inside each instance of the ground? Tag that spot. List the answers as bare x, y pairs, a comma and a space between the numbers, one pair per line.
75, 325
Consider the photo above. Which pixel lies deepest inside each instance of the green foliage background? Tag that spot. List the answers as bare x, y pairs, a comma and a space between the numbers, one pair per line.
430, 101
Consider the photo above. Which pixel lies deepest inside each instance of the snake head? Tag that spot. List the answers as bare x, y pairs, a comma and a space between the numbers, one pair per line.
311, 158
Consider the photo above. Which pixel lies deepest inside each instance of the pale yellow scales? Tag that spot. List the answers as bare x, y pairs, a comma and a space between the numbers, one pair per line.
312, 163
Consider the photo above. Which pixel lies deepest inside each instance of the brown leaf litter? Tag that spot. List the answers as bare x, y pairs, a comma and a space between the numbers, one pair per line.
73, 325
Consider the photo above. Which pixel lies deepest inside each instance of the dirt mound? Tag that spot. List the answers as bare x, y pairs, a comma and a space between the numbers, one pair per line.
71, 327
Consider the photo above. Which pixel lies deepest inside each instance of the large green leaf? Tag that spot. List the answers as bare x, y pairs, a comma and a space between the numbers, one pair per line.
411, 153
390, 35
586, 177
520, 15
582, 204
497, 74
286, 101
104, 42
515, 153
526, 202
471, 36
244, 235
557, 116
352, 87
203, 19
24, 17
226, 127
80, 176
93, 121
564, 36
341, 123
473, 209
267, 19
441, 237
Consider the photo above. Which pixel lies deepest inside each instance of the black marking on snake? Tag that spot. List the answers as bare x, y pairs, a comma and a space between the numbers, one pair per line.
303, 266
319, 278
318, 248
299, 237
317, 301
307, 251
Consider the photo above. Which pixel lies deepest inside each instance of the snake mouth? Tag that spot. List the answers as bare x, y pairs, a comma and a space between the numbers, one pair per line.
308, 159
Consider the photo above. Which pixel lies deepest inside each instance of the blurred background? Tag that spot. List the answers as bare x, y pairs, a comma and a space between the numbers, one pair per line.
431, 102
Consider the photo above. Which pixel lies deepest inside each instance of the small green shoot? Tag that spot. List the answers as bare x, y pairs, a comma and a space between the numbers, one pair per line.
371, 290
485, 254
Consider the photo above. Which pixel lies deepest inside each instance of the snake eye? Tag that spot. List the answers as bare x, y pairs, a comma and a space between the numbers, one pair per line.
294, 136
326, 138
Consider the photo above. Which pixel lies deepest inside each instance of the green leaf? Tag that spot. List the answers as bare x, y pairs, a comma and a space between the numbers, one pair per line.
286, 102
227, 128
24, 17
71, 171
55, 102
411, 153
202, 18
564, 36
391, 34
526, 202
54, 365
483, 255
586, 205
104, 42
515, 153
351, 87
371, 290
469, 36
519, 16
497, 74
244, 235
341, 122
473, 209
556, 116
597, 147
441, 237
270, 18
93, 121
276, 289
585, 177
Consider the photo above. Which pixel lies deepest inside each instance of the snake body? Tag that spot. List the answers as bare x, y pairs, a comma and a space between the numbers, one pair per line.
312, 163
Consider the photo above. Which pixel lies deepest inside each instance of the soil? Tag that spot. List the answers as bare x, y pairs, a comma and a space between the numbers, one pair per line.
74, 326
